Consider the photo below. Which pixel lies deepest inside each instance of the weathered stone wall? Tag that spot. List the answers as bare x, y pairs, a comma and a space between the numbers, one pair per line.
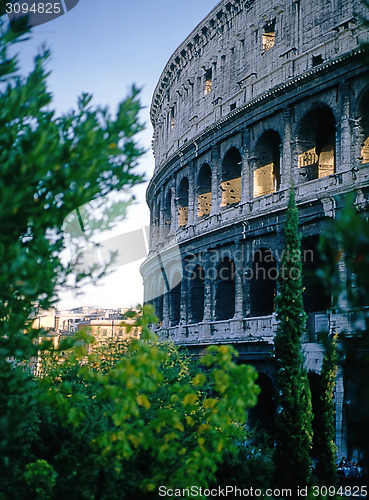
260, 95
229, 42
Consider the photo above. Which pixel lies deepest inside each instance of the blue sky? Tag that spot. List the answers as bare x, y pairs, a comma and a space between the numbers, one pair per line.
103, 48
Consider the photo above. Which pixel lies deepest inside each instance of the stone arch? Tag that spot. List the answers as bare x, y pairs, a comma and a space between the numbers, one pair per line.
263, 281
225, 290
263, 414
316, 297
167, 212
159, 302
266, 176
183, 193
231, 178
204, 191
316, 143
175, 299
364, 126
197, 294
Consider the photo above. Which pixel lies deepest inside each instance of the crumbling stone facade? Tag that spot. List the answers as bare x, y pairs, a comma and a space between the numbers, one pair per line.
262, 94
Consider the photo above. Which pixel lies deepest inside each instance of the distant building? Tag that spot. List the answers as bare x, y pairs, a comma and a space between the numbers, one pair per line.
105, 325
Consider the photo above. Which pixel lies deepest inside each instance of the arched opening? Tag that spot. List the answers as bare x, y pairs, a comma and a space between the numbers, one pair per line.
159, 306
183, 202
316, 295
168, 213
263, 281
317, 144
175, 299
262, 415
267, 167
225, 290
364, 124
148, 290
197, 294
231, 178
204, 191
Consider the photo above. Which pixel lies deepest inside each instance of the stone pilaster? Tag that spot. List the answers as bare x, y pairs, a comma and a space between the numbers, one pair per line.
286, 152
344, 139
208, 299
192, 197
239, 266
215, 181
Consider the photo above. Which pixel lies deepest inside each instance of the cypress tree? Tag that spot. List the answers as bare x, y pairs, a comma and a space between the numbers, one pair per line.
294, 411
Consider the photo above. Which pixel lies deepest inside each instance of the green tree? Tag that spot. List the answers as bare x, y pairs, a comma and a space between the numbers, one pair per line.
294, 412
50, 166
120, 424
324, 438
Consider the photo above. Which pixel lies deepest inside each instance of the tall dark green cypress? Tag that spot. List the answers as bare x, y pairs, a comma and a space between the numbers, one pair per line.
294, 411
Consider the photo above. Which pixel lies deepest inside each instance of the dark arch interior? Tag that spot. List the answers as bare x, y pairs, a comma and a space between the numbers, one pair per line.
168, 212
231, 178
316, 295
204, 191
263, 283
317, 144
364, 123
197, 294
183, 202
159, 306
175, 299
267, 171
262, 415
225, 290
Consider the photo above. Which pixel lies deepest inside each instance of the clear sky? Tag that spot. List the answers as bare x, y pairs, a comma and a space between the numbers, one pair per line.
102, 48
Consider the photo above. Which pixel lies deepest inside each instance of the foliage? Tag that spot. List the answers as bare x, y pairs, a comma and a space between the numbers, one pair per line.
41, 478
324, 437
50, 166
350, 233
252, 465
151, 416
294, 412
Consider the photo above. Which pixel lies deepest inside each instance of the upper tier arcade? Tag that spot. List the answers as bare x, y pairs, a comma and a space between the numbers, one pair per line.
245, 51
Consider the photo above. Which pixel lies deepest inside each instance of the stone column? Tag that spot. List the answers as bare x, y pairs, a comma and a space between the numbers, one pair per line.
340, 422
192, 187
287, 165
215, 181
344, 140
161, 217
342, 300
246, 180
184, 300
247, 266
208, 299
239, 265
166, 305
173, 210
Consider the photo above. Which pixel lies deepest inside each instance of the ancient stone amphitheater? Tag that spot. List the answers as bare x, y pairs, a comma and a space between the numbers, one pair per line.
261, 94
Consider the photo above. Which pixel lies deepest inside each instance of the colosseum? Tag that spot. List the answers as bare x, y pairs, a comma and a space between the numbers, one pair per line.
261, 95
